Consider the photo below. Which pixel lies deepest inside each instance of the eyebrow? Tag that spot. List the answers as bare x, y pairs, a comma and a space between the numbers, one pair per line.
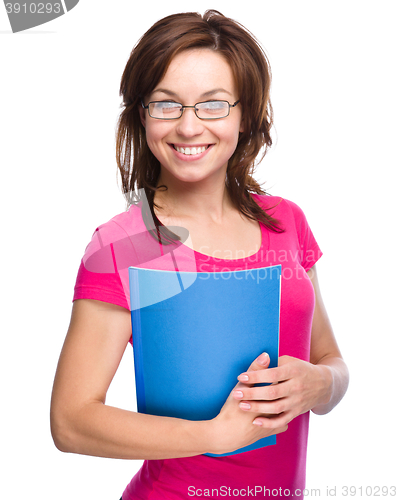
204, 95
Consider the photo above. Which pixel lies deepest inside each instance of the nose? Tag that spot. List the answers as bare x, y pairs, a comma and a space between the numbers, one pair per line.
189, 125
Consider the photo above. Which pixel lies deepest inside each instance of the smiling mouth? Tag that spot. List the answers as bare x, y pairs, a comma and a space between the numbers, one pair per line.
192, 150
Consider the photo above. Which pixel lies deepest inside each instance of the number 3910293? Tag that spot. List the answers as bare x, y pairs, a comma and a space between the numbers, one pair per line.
33, 8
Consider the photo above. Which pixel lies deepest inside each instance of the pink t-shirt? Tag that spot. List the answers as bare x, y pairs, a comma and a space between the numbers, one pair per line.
275, 471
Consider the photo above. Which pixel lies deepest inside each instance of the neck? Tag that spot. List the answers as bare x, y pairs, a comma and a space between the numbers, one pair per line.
204, 201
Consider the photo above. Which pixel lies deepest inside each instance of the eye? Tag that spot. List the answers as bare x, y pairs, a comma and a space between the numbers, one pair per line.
166, 110
167, 105
213, 105
210, 110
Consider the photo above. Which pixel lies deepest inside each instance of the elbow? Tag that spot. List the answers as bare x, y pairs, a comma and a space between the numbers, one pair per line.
61, 438
61, 431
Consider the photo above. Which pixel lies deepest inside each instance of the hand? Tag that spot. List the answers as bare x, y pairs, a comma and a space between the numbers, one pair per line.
296, 387
234, 428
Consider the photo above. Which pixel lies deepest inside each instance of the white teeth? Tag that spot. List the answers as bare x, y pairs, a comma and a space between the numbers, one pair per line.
190, 151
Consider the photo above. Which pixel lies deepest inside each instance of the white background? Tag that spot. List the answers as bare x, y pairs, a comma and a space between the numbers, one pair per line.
335, 100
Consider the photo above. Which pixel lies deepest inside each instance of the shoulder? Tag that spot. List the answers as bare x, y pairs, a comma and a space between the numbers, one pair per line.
119, 227
279, 207
122, 224
111, 238
290, 216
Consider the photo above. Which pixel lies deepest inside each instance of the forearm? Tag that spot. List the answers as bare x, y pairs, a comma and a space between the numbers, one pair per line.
105, 431
336, 379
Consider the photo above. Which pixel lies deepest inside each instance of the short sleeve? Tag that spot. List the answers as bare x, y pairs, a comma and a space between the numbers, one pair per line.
106, 287
99, 277
310, 252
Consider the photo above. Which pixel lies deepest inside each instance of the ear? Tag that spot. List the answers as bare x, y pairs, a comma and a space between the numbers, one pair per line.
142, 112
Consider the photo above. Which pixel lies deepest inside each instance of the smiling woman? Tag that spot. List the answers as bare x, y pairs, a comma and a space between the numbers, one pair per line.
196, 114
235, 55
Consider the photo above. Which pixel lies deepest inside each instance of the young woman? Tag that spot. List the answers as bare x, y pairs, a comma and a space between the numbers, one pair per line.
197, 113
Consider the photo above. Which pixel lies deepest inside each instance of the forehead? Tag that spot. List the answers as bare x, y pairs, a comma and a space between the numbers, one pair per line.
197, 72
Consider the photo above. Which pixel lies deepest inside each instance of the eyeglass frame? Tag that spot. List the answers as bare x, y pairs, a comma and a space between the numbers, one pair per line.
193, 107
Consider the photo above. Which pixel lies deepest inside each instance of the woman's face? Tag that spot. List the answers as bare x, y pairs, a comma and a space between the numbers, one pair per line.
194, 76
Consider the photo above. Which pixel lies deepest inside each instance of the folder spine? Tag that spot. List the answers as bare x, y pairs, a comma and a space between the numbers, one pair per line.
138, 352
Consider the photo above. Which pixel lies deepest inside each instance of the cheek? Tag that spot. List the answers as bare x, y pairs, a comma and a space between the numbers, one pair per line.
156, 133
229, 134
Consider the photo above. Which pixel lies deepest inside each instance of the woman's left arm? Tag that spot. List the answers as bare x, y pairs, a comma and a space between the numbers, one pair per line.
298, 386
325, 353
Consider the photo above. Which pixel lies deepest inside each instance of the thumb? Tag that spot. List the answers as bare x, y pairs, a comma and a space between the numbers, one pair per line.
260, 363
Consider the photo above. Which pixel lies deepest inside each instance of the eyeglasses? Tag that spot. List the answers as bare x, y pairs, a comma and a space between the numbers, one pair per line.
170, 110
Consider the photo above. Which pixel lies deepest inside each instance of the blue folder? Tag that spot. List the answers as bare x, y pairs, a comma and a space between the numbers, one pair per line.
194, 333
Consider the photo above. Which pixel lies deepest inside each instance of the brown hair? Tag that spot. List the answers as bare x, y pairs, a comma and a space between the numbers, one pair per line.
148, 64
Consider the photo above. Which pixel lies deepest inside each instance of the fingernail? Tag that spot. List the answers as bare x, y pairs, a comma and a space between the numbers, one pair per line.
243, 378
238, 394
262, 359
244, 406
257, 422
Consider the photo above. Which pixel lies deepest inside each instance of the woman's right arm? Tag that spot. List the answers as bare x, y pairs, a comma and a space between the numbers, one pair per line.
82, 423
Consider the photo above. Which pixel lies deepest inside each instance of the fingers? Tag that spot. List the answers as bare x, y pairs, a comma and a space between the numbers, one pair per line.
266, 400
260, 363
265, 423
276, 423
257, 373
268, 409
263, 393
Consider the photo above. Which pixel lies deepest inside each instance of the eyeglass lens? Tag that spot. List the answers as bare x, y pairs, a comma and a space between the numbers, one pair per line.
168, 110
